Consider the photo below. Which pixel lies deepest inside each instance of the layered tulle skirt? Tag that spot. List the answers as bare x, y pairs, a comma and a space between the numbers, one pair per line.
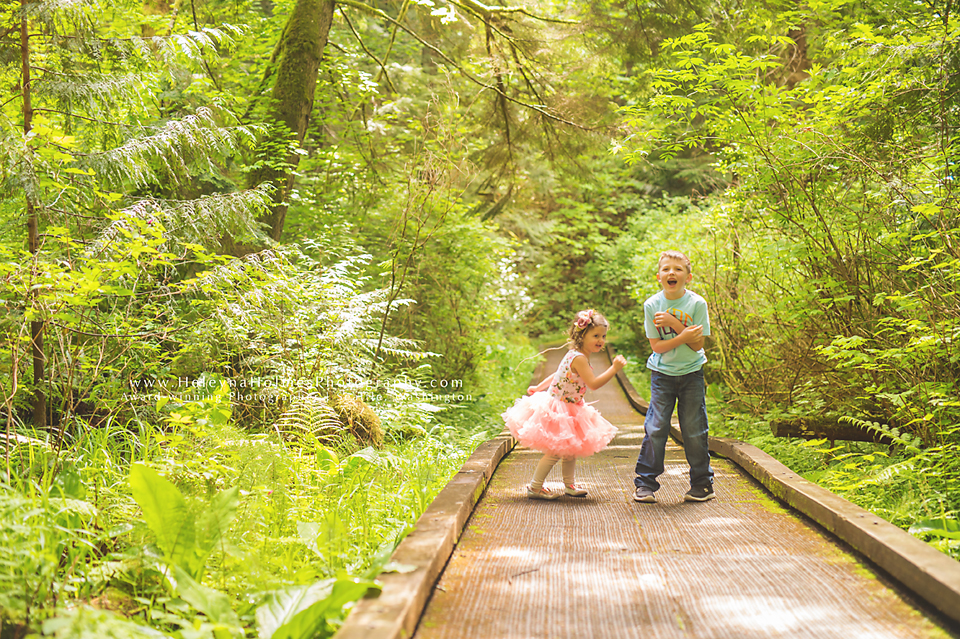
543, 422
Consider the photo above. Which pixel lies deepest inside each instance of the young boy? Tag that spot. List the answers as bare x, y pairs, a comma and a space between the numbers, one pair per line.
676, 322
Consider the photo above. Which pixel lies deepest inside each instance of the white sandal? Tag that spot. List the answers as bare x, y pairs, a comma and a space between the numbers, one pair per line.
573, 491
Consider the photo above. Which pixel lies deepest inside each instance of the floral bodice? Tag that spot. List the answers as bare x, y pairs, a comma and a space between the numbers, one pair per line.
567, 385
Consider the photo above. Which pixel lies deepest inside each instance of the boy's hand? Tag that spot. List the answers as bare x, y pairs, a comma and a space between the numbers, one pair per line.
663, 319
691, 333
619, 362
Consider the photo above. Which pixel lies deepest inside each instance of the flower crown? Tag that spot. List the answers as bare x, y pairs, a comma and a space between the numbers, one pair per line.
584, 319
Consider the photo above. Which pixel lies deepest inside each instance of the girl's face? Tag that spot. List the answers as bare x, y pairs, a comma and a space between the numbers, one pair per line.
594, 339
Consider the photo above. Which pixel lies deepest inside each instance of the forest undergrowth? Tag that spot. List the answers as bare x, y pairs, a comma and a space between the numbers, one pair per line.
195, 527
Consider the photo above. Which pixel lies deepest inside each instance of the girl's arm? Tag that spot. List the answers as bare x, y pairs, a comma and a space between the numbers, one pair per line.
541, 386
582, 367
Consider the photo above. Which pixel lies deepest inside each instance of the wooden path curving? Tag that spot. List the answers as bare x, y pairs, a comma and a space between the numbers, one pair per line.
740, 567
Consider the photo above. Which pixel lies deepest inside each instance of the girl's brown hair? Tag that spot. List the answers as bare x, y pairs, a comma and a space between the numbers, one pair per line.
583, 322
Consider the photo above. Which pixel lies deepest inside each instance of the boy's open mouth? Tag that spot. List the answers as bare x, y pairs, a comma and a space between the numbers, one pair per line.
672, 281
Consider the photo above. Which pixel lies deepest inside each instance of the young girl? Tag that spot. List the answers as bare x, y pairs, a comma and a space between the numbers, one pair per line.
558, 422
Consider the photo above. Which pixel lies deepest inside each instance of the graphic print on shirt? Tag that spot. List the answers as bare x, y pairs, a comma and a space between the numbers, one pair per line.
666, 332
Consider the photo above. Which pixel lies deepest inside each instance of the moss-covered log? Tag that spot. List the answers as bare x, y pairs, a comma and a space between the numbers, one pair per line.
817, 428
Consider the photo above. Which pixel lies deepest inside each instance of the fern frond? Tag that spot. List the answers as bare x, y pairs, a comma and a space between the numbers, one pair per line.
895, 471
204, 220
226, 276
293, 317
211, 217
49, 12
906, 440
164, 156
19, 177
194, 44
95, 94
309, 413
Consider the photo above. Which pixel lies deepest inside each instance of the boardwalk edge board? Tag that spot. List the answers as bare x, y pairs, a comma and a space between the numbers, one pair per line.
422, 554
930, 574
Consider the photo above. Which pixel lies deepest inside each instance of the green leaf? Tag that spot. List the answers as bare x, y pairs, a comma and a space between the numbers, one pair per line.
393, 566
309, 531
301, 612
948, 528
165, 512
327, 460
213, 603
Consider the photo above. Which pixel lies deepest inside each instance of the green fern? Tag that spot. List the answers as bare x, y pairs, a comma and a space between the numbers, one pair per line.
96, 94
170, 153
310, 413
203, 220
906, 440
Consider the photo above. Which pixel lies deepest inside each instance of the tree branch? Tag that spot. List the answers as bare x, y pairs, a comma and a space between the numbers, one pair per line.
533, 107
16, 96
481, 10
383, 69
485, 19
393, 34
203, 58
81, 117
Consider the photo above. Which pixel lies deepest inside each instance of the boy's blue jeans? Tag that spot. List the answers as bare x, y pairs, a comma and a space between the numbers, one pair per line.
688, 393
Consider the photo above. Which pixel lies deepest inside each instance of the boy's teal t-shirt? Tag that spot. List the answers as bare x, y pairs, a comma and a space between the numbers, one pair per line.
691, 309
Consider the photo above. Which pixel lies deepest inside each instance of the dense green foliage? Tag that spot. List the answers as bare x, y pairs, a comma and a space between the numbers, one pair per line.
280, 304
827, 244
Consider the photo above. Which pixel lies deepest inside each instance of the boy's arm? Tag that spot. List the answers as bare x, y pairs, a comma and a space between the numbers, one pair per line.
690, 335
697, 344
668, 320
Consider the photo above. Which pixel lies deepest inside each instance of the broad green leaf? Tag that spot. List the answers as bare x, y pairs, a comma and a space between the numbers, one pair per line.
949, 528
283, 605
213, 603
301, 612
166, 513
309, 531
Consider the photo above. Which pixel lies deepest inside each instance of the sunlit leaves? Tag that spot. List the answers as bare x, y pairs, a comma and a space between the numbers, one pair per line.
185, 539
301, 612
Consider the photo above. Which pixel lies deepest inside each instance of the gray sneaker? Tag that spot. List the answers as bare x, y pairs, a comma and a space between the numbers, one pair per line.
701, 493
644, 495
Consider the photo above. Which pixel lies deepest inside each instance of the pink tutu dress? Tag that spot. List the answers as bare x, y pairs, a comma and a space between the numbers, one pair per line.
557, 421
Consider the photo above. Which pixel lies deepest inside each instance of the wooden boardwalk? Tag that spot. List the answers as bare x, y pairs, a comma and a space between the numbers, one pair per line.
739, 567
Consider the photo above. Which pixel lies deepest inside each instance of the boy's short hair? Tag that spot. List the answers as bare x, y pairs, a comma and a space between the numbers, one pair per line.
675, 255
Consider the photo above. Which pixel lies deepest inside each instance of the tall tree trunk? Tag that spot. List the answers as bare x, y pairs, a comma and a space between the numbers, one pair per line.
295, 63
33, 239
